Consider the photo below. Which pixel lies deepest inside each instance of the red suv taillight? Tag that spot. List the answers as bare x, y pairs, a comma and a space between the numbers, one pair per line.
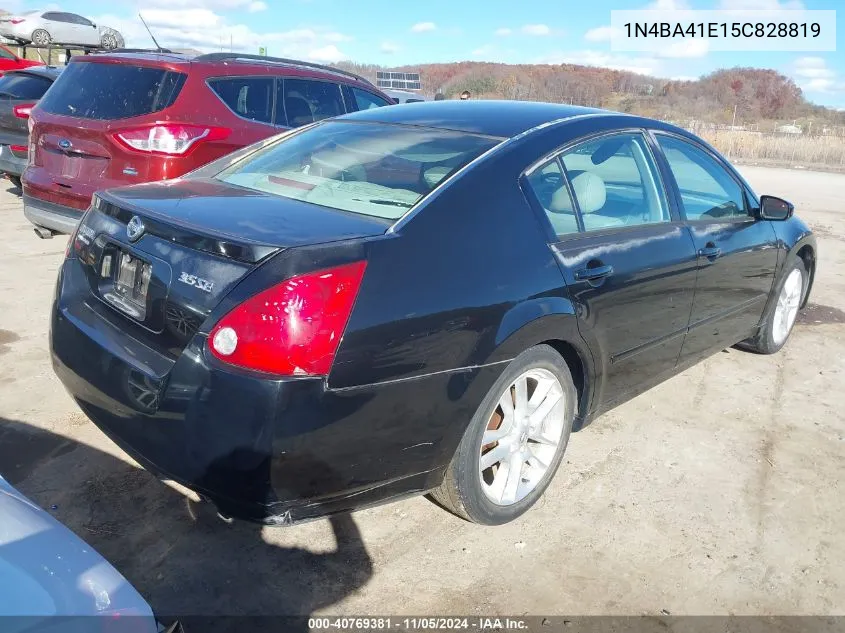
17, 21
293, 328
171, 139
23, 110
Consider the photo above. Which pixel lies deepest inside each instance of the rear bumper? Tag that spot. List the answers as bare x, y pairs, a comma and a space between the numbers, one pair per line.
277, 451
50, 215
9, 163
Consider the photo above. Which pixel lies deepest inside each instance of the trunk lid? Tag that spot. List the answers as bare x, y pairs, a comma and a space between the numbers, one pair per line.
161, 256
13, 129
74, 123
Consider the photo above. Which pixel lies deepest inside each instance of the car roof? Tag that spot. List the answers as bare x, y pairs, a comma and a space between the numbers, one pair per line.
502, 119
50, 72
233, 63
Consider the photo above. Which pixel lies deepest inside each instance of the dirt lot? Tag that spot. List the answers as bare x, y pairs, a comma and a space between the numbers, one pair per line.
721, 491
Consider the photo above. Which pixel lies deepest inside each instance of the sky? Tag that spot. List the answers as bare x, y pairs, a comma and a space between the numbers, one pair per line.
402, 32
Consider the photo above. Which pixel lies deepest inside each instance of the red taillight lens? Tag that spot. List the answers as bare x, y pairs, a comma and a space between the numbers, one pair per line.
17, 21
23, 111
172, 139
18, 148
293, 328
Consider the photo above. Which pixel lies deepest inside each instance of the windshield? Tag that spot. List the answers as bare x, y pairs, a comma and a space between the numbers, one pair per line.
367, 168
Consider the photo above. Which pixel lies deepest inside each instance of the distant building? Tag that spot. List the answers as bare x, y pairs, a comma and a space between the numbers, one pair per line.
789, 129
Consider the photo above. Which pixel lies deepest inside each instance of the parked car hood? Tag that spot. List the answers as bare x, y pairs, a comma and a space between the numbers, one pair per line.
47, 571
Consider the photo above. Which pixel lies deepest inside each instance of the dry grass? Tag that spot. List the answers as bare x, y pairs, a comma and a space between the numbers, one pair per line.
826, 151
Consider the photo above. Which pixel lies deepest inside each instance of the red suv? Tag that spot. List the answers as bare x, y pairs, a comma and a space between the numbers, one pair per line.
116, 119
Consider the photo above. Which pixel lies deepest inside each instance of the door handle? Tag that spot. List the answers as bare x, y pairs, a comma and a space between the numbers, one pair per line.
710, 251
593, 274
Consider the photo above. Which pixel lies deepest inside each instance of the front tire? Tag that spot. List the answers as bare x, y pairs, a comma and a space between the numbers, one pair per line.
781, 315
41, 37
109, 42
515, 441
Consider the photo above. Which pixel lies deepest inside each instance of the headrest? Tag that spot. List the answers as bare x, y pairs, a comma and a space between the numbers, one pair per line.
590, 191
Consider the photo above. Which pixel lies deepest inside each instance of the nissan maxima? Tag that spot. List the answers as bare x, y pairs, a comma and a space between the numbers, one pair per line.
420, 299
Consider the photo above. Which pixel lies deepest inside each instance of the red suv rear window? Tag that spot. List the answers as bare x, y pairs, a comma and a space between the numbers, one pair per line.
92, 90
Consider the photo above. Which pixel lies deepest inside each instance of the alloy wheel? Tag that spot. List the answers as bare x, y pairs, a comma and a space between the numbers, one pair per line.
522, 437
787, 307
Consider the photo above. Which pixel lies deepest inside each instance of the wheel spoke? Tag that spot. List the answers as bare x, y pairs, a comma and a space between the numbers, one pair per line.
494, 435
545, 408
539, 437
540, 392
495, 455
520, 397
506, 405
514, 476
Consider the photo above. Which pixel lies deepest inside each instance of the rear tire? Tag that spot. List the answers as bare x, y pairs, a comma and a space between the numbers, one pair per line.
41, 37
515, 441
783, 312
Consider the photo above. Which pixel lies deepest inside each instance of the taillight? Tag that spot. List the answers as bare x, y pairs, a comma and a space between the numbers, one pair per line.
23, 111
172, 139
18, 148
293, 328
17, 21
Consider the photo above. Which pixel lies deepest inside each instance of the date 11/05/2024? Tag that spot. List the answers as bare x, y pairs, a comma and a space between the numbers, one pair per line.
418, 624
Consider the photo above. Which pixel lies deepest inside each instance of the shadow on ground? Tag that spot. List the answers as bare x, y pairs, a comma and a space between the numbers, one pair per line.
178, 555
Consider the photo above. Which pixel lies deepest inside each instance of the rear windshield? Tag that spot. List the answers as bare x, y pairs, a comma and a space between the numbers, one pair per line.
372, 169
92, 90
23, 86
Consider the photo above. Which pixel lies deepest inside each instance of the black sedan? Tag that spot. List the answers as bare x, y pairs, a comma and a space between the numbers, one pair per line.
414, 299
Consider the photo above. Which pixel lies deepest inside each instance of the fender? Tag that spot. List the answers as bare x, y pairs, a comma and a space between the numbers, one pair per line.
552, 320
794, 238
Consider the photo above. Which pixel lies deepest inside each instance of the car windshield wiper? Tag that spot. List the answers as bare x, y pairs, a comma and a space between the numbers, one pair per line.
3, 93
394, 203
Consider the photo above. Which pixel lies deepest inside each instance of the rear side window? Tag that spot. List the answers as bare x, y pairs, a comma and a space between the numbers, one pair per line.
23, 86
248, 97
92, 90
304, 101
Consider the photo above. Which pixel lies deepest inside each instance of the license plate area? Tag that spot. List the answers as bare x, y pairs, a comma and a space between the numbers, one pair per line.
125, 281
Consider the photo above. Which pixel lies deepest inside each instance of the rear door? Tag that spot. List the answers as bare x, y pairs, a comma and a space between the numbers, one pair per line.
737, 254
628, 261
62, 30
302, 101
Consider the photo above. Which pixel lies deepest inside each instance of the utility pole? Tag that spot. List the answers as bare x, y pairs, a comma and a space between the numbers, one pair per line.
733, 125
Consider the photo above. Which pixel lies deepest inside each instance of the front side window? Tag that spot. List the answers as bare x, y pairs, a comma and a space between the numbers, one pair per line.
372, 169
707, 190
4, 54
366, 100
304, 101
248, 97
615, 182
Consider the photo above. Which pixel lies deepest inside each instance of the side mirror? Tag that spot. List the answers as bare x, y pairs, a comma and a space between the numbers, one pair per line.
772, 208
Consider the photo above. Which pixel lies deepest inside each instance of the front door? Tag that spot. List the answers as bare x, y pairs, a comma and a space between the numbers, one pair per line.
629, 265
737, 254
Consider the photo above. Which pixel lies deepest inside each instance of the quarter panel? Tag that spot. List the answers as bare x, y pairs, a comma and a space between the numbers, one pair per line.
441, 293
